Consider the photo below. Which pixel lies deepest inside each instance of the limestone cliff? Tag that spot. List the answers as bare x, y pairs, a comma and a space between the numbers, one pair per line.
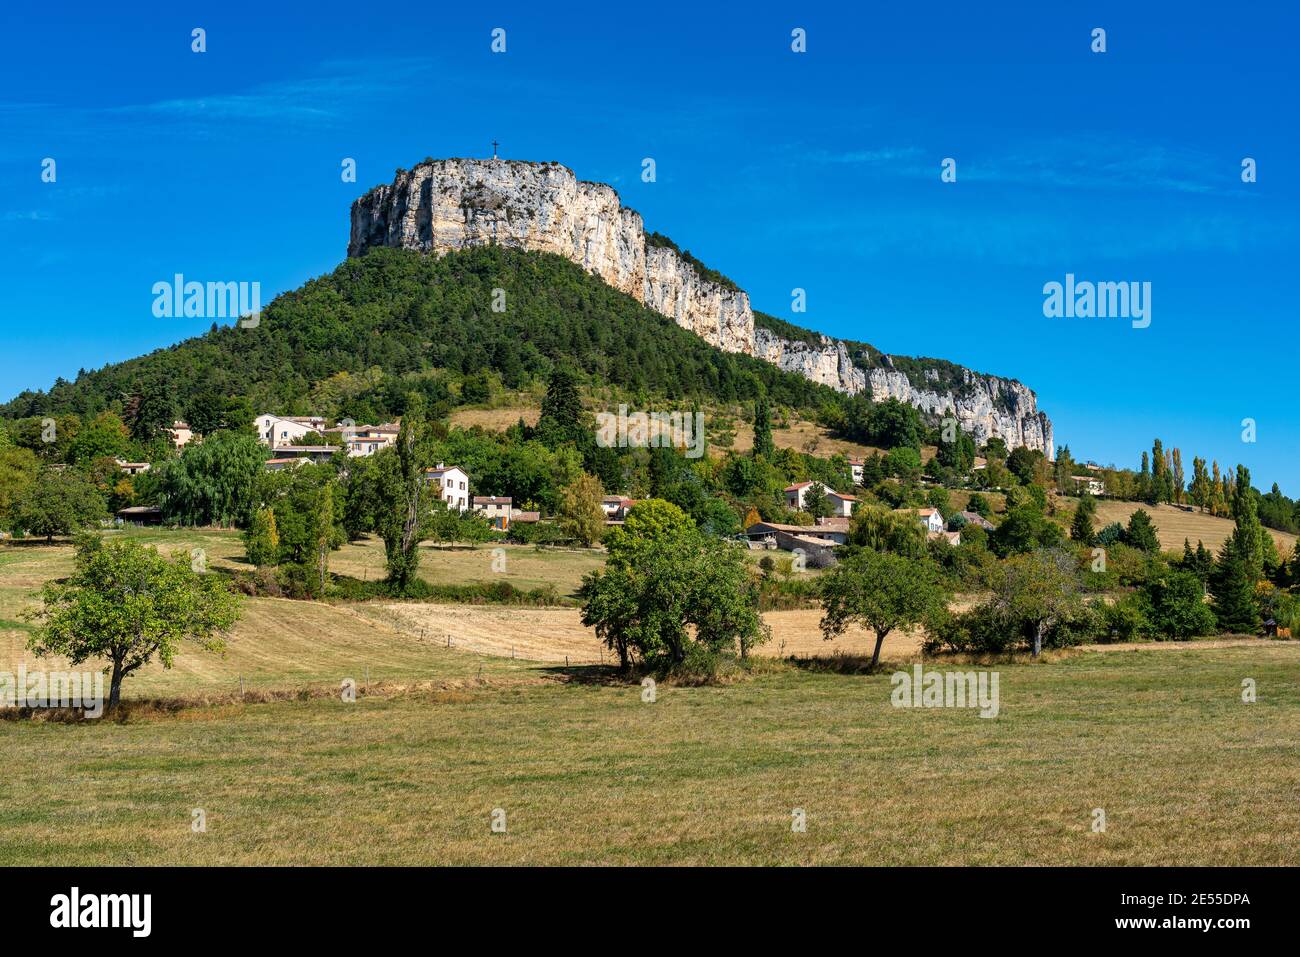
443, 205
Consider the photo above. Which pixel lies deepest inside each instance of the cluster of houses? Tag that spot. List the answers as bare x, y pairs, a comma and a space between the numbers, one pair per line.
284, 435
452, 484
818, 540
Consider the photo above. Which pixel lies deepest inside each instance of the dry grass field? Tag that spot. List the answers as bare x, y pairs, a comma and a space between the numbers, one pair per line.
1174, 525
525, 566
557, 634
495, 420
588, 773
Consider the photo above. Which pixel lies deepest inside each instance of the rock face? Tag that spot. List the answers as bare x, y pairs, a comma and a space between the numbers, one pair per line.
443, 205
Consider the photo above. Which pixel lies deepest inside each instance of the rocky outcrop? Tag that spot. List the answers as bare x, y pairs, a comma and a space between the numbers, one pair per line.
443, 205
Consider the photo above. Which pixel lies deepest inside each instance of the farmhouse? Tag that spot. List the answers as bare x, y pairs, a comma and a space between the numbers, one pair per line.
1088, 483
811, 540
616, 507
140, 515
452, 484
495, 509
855, 469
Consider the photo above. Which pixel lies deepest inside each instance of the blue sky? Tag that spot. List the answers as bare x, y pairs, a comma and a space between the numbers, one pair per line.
818, 170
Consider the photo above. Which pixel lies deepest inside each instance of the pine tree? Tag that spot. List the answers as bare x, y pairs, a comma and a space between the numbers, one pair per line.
1081, 527
562, 418
1232, 591
1141, 532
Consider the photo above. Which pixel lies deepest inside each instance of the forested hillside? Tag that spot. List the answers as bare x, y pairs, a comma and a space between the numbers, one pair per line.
356, 341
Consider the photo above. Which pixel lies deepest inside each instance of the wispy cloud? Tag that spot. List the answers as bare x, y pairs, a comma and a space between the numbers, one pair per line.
1093, 163
338, 89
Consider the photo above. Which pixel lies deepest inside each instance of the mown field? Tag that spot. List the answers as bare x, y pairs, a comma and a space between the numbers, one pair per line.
587, 772
1173, 524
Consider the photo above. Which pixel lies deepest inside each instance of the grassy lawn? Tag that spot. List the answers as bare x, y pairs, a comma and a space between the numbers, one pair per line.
588, 773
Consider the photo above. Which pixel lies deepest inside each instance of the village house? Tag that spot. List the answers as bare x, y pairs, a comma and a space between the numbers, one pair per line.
276, 430
855, 469
308, 453
452, 484
362, 440
280, 464
132, 468
179, 434
496, 509
932, 519
616, 507
796, 498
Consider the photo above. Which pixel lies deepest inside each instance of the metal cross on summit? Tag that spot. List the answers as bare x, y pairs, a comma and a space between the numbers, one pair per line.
494, 149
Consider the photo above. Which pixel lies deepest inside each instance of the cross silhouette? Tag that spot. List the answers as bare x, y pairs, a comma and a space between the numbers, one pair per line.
494, 149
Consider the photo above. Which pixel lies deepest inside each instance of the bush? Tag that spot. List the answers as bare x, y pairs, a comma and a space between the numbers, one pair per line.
1125, 620
982, 630
1178, 609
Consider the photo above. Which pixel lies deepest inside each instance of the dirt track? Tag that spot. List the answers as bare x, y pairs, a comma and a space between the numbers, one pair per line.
551, 634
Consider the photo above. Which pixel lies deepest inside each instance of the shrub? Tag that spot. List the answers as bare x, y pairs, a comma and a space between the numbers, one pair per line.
1125, 620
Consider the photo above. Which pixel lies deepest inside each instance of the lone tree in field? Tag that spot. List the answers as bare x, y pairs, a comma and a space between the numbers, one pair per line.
127, 603
668, 592
881, 591
1141, 532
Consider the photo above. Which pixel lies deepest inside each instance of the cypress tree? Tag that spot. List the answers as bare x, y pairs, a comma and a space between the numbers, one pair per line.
763, 444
